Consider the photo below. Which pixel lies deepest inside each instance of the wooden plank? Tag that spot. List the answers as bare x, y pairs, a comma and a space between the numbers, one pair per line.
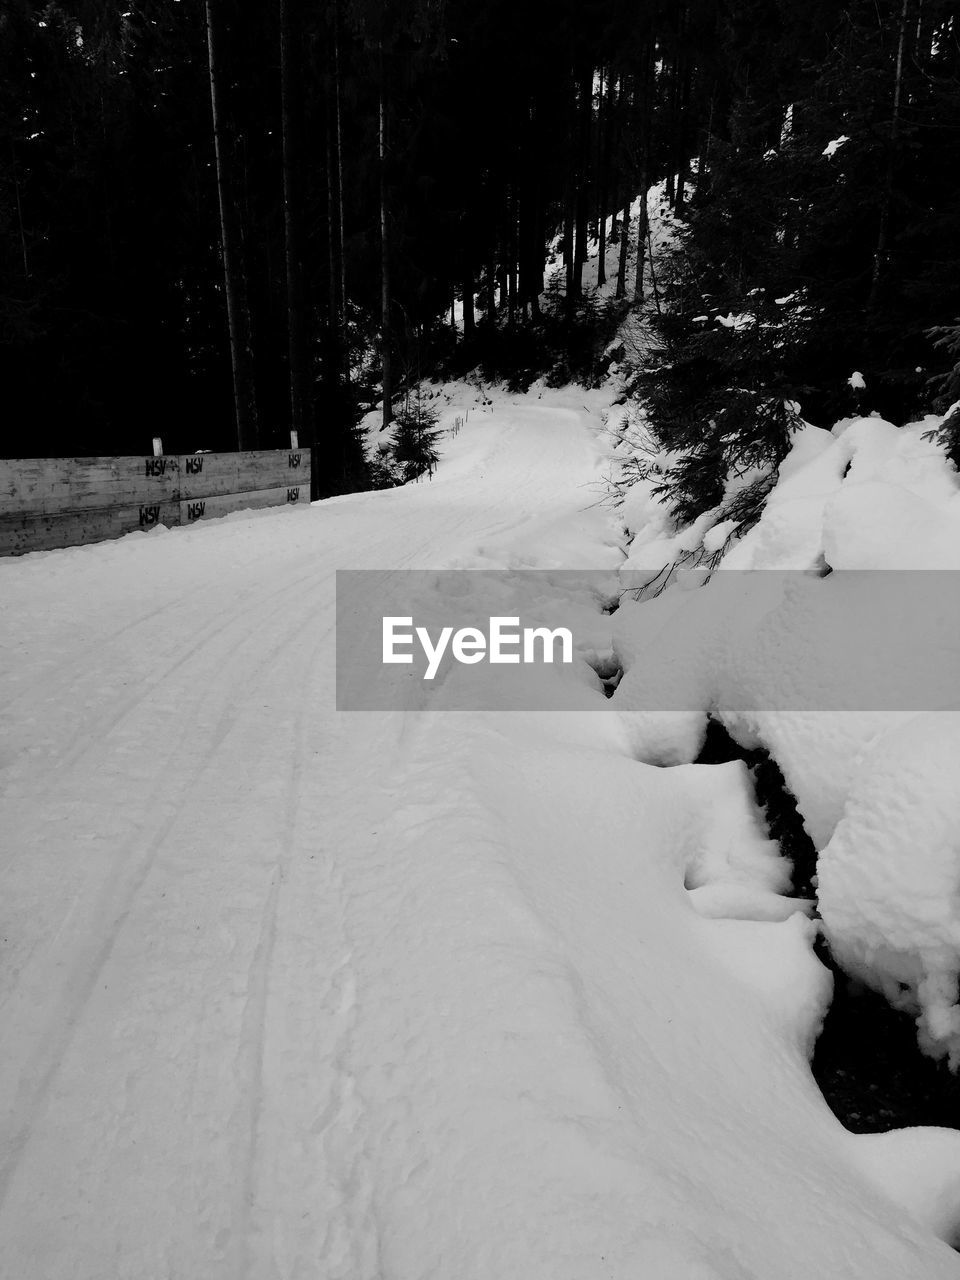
58, 502
283, 459
204, 475
40, 531
272, 469
52, 485
214, 505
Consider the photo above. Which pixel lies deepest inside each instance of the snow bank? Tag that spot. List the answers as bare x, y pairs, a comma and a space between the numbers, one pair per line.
867, 496
920, 1169
602, 1076
888, 878
828, 671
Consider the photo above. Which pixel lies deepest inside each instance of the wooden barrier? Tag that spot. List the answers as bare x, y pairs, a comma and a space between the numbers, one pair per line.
64, 502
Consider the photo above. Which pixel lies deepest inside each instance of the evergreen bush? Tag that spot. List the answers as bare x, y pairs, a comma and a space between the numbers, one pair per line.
413, 447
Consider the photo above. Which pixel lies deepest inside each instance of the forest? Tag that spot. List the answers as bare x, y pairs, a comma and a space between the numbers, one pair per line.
220, 223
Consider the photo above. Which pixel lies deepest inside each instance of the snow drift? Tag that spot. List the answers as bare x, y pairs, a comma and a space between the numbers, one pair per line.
841, 656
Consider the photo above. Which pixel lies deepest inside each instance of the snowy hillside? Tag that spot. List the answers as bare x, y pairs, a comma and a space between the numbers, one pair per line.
292, 992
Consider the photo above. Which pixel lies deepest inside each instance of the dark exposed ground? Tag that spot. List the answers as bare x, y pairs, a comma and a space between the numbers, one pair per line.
870, 1070
867, 1063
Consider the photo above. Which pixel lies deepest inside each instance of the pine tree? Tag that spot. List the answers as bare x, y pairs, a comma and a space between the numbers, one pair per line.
414, 447
231, 247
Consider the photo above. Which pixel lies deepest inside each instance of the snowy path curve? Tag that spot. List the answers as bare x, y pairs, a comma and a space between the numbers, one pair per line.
292, 993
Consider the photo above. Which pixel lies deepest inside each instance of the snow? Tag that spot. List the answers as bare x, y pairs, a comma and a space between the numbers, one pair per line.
856, 381
849, 680
662, 229
919, 1168
888, 876
738, 322
832, 147
716, 538
823, 504
294, 992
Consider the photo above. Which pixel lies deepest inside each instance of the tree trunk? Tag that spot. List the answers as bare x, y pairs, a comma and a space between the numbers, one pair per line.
569, 199
624, 247
683, 159
645, 137
291, 127
603, 175
335, 347
531, 230
385, 335
883, 235
703, 163
629, 178
583, 179
512, 252
653, 271
234, 276
618, 146
643, 223
339, 124
568, 225
20, 227
506, 258
469, 319
524, 211
537, 218
333, 203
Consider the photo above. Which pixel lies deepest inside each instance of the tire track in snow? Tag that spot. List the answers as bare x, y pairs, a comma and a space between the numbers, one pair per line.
125, 707
307, 1193
254, 1023
61, 1022
116, 903
301, 996
78, 657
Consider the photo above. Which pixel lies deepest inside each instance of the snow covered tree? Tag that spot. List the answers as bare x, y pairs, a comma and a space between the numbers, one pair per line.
720, 396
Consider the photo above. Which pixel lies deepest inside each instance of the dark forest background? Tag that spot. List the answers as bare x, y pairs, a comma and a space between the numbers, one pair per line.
220, 221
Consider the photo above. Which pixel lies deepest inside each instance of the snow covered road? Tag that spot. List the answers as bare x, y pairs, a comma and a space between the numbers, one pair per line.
290, 993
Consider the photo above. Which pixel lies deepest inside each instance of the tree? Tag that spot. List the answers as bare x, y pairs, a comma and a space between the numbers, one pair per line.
883, 233
292, 128
386, 300
125, 234
234, 274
